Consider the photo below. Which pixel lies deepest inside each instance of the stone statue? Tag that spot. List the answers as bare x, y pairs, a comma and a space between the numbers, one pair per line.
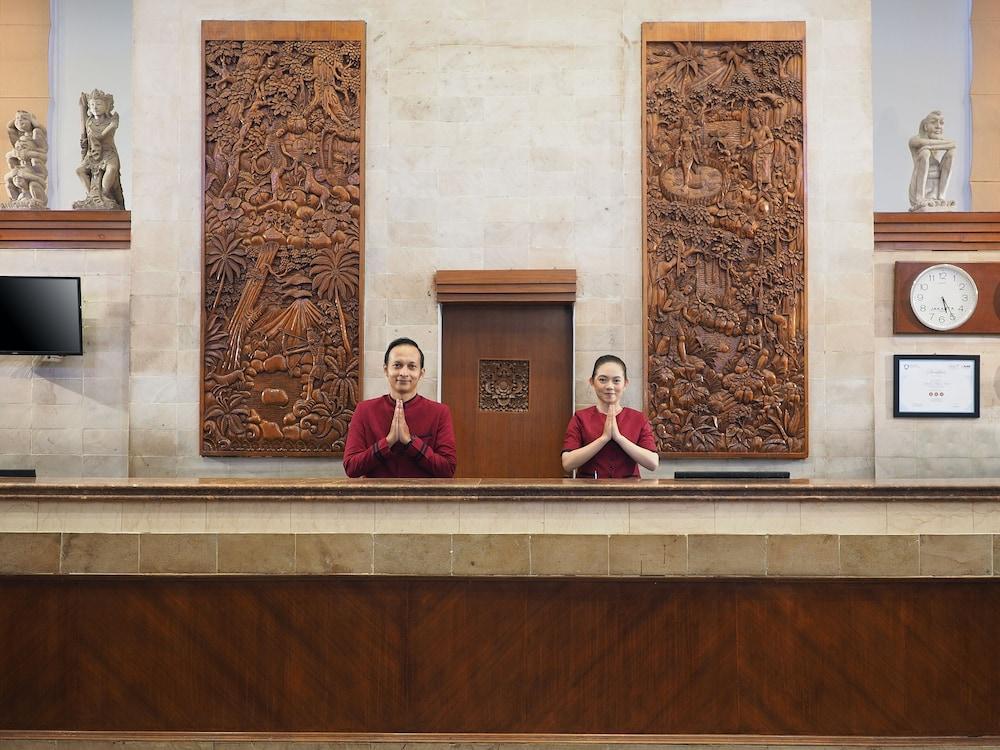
28, 176
100, 171
932, 158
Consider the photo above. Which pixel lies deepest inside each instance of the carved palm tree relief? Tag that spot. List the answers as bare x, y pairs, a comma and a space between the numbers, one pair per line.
724, 220
283, 241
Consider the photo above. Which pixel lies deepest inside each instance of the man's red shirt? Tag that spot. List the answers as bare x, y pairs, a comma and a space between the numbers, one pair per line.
431, 452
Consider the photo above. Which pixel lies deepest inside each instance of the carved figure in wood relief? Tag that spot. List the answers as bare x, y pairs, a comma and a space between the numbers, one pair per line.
933, 155
100, 170
27, 178
282, 254
760, 141
725, 248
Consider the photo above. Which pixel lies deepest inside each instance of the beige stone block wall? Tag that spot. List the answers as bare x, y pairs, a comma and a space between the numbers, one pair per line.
985, 95
499, 136
924, 448
24, 64
931, 448
69, 417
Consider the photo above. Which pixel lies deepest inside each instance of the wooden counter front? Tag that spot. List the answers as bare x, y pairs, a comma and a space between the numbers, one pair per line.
501, 658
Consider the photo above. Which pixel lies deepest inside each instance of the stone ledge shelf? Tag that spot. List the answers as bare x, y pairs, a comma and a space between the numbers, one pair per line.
494, 490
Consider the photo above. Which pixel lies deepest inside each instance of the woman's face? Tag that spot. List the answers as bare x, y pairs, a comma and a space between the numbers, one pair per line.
609, 383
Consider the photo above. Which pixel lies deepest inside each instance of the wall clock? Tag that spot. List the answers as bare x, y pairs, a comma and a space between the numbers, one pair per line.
943, 297
946, 298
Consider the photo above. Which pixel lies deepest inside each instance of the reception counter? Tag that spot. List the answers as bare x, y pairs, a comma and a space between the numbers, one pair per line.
339, 610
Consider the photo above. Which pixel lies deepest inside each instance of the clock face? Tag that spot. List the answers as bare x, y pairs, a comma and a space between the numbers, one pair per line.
943, 297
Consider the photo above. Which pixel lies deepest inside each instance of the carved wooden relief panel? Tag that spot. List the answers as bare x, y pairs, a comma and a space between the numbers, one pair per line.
503, 384
283, 236
725, 239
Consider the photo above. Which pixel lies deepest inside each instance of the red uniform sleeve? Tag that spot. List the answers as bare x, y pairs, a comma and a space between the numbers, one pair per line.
574, 434
440, 459
362, 452
647, 439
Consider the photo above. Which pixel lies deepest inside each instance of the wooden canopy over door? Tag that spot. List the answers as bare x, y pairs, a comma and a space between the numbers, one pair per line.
507, 368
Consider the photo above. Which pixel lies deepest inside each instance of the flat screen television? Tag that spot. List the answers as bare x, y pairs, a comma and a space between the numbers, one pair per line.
40, 315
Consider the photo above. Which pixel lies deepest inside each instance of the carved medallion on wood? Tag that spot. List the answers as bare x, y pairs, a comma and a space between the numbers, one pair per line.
503, 384
725, 239
283, 236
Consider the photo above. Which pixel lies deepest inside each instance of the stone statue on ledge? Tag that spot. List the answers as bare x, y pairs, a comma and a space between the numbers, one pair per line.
100, 171
932, 158
27, 180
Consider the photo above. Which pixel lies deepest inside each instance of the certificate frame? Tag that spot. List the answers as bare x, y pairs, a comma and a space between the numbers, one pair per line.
956, 375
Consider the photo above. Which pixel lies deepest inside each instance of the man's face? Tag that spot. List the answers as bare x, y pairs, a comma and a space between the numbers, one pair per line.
403, 371
21, 122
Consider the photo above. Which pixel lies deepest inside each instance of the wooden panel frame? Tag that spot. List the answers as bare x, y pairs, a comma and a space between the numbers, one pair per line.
50, 230
320, 416
736, 31
506, 286
947, 230
986, 318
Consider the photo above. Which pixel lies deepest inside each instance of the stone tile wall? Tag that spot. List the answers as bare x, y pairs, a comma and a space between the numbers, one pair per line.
499, 136
69, 416
715, 555
920, 448
484, 538
985, 95
931, 448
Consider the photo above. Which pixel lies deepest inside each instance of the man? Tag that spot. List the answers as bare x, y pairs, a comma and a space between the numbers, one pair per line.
401, 434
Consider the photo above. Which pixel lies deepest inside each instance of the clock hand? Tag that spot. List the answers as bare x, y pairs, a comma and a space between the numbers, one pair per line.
943, 302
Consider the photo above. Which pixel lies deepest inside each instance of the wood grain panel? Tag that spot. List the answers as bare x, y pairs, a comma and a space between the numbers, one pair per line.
724, 227
986, 318
523, 657
108, 230
499, 443
506, 286
953, 230
283, 227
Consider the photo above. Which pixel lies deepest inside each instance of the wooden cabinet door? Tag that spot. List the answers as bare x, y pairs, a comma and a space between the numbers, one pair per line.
507, 374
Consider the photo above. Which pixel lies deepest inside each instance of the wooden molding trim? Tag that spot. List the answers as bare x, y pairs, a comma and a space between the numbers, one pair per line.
506, 286
99, 230
490, 490
624, 741
953, 230
724, 31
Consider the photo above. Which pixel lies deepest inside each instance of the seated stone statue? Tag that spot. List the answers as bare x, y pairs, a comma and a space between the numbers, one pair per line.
932, 158
100, 171
27, 161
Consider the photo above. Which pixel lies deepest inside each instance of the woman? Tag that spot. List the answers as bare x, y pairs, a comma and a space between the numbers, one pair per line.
609, 441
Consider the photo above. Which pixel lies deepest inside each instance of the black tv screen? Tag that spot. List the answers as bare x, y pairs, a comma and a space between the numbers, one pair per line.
40, 315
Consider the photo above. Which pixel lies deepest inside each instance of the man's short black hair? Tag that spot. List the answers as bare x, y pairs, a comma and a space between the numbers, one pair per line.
404, 342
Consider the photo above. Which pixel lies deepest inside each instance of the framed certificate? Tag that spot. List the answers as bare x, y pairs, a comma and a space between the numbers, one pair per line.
935, 385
